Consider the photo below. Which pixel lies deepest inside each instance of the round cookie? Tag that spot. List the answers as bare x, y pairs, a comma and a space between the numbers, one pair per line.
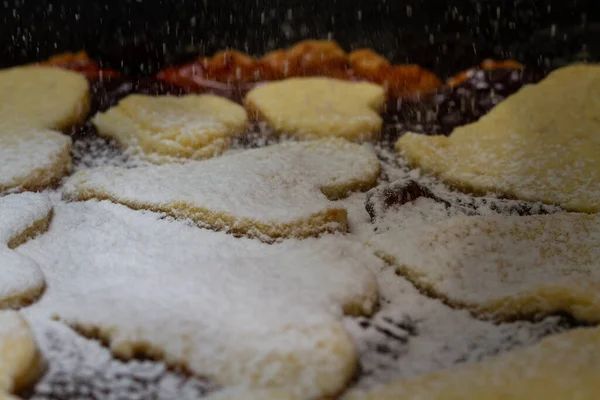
21, 362
164, 128
565, 366
33, 159
36, 97
36, 102
311, 108
22, 216
505, 267
274, 192
540, 144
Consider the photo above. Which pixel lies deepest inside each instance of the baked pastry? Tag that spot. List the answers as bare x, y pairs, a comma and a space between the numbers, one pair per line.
309, 58
275, 192
310, 108
35, 102
560, 367
238, 311
400, 81
505, 267
22, 216
37, 97
21, 362
164, 128
541, 144
291, 318
82, 63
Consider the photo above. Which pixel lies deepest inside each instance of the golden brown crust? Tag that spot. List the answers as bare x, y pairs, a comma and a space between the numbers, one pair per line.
304, 59
400, 81
80, 62
486, 65
308, 58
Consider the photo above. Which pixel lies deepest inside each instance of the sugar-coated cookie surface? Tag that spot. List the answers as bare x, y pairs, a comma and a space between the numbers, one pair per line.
505, 267
21, 362
283, 190
35, 103
540, 144
238, 311
33, 159
309, 108
163, 127
565, 366
22, 216
37, 97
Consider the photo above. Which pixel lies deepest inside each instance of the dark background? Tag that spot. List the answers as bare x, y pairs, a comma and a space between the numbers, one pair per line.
442, 35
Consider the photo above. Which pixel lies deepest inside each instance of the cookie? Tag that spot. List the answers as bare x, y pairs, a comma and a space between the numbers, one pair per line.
505, 267
36, 102
166, 127
36, 97
560, 367
21, 362
22, 216
540, 144
309, 108
33, 159
238, 311
279, 191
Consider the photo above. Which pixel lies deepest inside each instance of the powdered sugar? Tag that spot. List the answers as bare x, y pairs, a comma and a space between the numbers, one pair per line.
31, 158
236, 310
81, 369
280, 185
427, 335
20, 361
506, 266
413, 334
541, 144
20, 277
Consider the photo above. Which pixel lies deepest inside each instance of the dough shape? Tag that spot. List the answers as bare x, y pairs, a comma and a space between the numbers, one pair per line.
22, 216
564, 366
278, 191
21, 362
540, 144
505, 267
310, 108
235, 310
165, 127
36, 97
33, 159
34, 103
